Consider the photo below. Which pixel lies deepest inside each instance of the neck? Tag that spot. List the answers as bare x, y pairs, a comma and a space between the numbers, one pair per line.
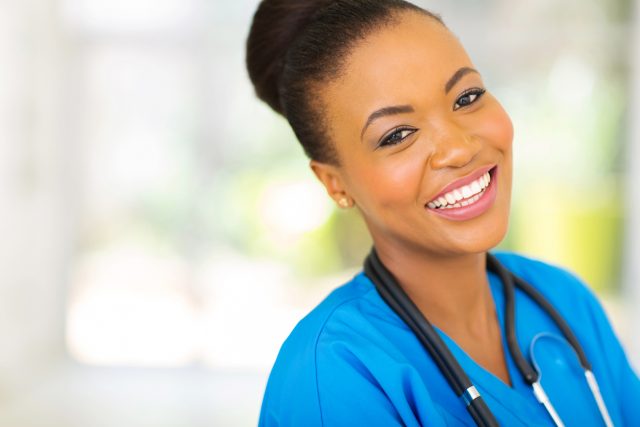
452, 291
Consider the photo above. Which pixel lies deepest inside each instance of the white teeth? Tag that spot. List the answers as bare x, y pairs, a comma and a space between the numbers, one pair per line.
463, 196
466, 192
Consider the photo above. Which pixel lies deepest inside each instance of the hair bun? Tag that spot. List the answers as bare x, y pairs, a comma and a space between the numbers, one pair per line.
276, 24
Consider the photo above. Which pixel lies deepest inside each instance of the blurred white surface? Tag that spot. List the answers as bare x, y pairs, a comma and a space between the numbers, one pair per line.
77, 396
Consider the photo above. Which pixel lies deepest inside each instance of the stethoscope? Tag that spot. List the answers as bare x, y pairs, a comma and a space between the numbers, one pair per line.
399, 301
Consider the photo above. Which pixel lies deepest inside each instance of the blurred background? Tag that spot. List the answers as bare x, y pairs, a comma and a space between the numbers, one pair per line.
163, 233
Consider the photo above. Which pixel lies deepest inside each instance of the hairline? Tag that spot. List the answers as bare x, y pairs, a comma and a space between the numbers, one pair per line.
315, 86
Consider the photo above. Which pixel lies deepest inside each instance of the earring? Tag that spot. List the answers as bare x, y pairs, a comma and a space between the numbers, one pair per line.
344, 203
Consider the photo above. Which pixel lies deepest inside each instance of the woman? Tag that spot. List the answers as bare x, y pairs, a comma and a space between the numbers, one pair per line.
399, 125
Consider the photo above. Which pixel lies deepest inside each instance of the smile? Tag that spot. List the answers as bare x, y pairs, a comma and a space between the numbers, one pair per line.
467, 197
462, 196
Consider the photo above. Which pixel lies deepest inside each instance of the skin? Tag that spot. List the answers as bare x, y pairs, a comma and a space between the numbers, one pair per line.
439, 262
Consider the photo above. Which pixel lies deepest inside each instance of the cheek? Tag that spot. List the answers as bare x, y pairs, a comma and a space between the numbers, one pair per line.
388, 182
496, 128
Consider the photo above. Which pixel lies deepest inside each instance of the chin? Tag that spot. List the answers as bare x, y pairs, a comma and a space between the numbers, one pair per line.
493, 234
484, 237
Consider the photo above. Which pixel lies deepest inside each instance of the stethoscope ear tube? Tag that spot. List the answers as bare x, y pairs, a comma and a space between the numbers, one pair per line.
400, 302
559, 321
509, 279
506, 278
530, 375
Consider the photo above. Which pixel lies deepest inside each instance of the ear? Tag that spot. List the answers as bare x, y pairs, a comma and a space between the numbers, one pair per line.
331, 177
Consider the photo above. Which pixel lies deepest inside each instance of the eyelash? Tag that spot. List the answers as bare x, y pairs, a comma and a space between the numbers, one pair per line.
388, 140
468, 93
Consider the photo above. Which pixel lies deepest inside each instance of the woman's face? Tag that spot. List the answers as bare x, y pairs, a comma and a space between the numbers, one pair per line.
409, 118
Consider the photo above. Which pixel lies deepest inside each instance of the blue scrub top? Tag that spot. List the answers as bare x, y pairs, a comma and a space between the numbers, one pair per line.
353, 362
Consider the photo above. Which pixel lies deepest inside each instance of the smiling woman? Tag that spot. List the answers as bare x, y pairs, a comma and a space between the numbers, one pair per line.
398, 124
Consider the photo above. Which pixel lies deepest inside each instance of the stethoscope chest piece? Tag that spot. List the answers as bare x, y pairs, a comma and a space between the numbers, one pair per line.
562, 381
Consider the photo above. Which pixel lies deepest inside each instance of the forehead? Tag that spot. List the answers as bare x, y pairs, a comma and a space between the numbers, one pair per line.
412, 56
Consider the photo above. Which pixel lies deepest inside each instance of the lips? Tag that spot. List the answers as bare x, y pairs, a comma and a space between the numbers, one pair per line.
461, 182
466, 197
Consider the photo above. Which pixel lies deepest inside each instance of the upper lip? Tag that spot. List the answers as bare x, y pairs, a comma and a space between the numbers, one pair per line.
465, 180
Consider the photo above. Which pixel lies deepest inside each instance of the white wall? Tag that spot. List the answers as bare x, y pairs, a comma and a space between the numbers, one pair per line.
34, 205
40, 386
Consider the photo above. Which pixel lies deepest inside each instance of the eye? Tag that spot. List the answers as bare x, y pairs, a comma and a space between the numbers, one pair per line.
468, 97
396, 136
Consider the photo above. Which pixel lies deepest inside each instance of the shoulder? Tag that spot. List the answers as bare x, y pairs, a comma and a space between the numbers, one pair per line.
578, 305
552, 280
347, 363
569, 294
346, 301
532, 267
565, 290
292, 389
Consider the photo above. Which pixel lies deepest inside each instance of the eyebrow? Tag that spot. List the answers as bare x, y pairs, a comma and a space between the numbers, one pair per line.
386, 111
457, 76
401, 109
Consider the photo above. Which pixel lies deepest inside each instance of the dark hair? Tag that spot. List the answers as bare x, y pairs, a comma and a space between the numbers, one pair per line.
295, 45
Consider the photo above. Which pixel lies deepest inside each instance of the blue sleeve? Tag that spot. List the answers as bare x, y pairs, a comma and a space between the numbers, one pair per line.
625, 380
336, 390
365, 379
317, 381
349, 393
619, 383
610, 359
291, 397
343, 372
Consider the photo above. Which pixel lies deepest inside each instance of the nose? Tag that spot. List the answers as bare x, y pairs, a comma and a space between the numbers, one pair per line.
453, 147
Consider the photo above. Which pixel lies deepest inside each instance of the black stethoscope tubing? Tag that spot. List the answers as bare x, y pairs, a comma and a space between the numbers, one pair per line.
393, 294
509, 279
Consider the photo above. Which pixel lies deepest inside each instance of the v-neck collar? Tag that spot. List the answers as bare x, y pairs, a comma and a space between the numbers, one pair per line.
513, 399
